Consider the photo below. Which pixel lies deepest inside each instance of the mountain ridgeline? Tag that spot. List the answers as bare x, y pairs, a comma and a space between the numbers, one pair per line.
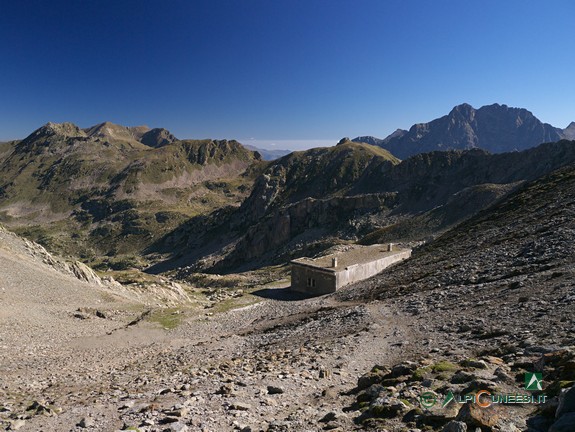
109, 190
119, 197
308, 201
495, 128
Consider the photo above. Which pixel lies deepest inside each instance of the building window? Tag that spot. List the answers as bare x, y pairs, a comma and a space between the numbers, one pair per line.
310, 282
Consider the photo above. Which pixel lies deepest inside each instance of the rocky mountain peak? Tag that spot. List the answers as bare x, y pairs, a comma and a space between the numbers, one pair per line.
112, 131
464, 110
157, 137
68, 130
497, 128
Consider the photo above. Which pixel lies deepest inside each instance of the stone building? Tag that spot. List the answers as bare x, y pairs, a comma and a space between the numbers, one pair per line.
323, 275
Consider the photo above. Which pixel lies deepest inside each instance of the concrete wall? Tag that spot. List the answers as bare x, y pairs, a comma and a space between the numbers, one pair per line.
357, 272
311, 280
316, 281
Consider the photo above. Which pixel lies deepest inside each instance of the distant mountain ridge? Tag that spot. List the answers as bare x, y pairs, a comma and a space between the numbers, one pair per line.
109, 189
495, 128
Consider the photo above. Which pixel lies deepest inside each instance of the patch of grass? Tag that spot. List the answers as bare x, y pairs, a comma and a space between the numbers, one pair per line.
406, 402
419, 374
233, 303
444, 366
169, 318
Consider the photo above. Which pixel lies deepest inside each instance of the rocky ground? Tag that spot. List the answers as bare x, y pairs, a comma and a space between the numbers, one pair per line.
77, 355
475, 310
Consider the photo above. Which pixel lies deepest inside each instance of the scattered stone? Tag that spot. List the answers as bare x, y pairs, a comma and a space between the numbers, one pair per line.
473, 415
403, 369
178, 412
87, 422
17, 424
330, 416
461, 377
475, 364
177, 427
385, 407
241, 406
455, 426
275, 390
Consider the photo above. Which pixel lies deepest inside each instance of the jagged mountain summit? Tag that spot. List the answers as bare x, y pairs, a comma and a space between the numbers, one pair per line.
495, 128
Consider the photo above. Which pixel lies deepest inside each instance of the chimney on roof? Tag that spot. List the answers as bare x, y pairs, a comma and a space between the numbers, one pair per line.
390, 247
334, 262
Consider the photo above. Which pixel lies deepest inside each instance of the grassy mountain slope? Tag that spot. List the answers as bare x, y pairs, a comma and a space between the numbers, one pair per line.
91, 196
315, 173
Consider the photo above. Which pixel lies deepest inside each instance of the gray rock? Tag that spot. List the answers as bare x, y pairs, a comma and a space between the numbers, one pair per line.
17, 424
461, 377
275, 390
475, 364
386, 407
240, 406
87, 422
455, 426
178, 427
330, 416
402, 369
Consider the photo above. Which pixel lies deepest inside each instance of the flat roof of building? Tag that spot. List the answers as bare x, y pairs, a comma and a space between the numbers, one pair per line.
357, 255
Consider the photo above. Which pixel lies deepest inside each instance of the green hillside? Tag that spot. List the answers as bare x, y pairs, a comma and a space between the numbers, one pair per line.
94, 197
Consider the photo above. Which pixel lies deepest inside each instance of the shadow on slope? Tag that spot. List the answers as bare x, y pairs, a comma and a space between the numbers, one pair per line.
282, 294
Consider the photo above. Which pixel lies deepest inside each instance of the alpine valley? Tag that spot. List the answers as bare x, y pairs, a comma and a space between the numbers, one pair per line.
145, 279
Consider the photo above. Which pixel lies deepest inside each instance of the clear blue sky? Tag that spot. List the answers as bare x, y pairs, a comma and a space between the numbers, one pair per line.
280, 70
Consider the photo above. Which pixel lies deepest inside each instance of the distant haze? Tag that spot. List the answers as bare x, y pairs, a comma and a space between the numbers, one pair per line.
289, 144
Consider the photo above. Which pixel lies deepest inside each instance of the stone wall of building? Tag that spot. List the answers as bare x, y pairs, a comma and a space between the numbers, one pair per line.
313, 281
358, 272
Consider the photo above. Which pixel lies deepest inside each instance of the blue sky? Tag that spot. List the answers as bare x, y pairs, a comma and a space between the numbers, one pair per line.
280, 71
